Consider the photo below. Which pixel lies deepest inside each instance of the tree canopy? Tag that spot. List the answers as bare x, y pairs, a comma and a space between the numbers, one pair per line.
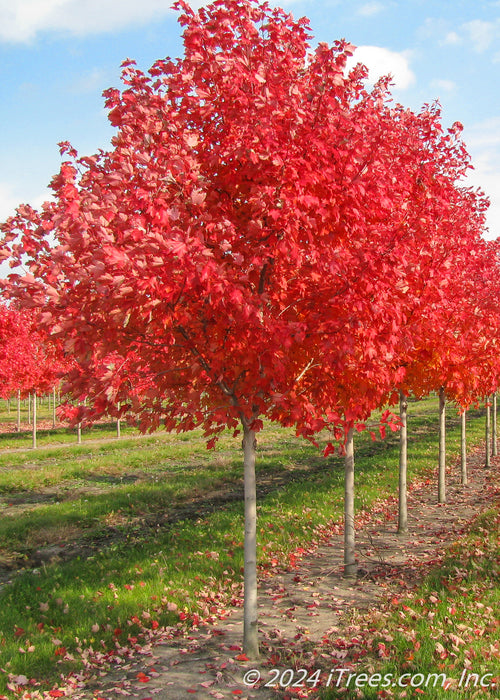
248, 243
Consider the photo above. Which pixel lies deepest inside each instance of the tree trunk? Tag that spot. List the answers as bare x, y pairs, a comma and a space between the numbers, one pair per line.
118, 428
403, 465
487, 461
349, 533
54, 407
463, 448
79, 434
18, 426
29, 408
494, 449
250, 628
442, 447
34, 421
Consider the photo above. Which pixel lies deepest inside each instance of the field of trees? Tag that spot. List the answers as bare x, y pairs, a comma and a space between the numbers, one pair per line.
270, 251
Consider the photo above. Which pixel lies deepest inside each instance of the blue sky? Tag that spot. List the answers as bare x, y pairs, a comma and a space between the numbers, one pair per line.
57, 56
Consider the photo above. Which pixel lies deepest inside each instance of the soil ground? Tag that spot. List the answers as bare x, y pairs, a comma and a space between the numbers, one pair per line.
300, 607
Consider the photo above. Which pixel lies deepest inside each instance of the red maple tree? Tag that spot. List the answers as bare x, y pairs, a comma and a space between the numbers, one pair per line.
242, 247
17, 361
450, 284
29, 360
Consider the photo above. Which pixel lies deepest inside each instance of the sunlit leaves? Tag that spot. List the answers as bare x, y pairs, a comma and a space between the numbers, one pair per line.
249, 243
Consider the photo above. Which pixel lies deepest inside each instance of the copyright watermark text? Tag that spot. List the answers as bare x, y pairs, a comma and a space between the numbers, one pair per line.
345, 678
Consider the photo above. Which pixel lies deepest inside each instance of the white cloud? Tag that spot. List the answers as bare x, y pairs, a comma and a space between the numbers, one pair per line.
477, 34
370, 9
481, 33
484, 135
381, 62
452, 38
8, 201
483, 143
444, 85
90, 81
22, 20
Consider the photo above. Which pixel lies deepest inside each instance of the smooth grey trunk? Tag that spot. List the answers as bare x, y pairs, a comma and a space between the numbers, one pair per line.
34, 421
118, 428
54, 407
442, 447
349, 532
29, 408
487, 435
18, 426
494, 448
463, 448
79, 433
403, 465
250, 622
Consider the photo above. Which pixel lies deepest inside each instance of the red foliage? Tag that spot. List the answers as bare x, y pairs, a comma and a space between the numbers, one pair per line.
29, 359
255, 242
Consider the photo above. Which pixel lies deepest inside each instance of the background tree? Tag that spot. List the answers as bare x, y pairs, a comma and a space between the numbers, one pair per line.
17, 360
31, 363
440, 349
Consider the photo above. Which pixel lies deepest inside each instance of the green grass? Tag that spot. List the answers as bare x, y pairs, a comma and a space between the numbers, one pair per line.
47, 433
155, 526
447, 631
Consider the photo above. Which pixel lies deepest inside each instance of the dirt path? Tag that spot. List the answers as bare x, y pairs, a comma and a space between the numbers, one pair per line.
300, 607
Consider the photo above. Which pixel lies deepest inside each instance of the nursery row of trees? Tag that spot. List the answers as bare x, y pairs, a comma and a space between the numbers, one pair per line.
265, 238
30, 361
33, 365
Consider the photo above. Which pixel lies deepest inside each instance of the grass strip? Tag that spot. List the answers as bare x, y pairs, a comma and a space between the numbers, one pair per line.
443, 639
